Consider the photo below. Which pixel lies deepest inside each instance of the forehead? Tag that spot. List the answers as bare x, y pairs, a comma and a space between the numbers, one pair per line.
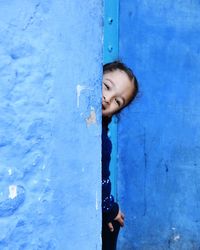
120, 81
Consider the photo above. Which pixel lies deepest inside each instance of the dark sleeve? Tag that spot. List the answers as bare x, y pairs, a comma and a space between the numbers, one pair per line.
110, 208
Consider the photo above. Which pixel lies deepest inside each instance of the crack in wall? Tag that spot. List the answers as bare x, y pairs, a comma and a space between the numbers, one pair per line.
31, 19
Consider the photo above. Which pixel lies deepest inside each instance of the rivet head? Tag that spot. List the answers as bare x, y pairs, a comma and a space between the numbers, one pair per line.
110, 20
110, 48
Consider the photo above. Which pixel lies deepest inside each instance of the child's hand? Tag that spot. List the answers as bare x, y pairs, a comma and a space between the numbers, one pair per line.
119, 218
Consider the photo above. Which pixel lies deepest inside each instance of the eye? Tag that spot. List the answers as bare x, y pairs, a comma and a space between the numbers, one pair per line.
118, 102
107, 86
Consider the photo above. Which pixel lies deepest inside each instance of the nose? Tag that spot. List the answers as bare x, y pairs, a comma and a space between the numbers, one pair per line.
106, 99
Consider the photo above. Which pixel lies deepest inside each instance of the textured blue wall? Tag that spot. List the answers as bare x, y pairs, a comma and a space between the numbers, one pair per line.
159, 146
50, 124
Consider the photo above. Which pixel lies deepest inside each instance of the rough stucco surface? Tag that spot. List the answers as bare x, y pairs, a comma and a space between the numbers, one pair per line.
50, 85
159, 146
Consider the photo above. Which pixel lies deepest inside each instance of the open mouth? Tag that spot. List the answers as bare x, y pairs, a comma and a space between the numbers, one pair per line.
103, 106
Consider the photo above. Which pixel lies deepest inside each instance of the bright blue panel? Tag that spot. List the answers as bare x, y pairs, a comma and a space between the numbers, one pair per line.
50, 124
110, 53
111, 30
159, 146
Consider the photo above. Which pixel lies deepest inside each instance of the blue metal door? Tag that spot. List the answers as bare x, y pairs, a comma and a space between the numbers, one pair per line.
158, 135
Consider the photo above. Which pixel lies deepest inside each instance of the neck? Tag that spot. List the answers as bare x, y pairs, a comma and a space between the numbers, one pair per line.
105, 121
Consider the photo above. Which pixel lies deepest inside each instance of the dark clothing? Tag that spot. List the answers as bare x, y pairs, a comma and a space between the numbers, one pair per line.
110, 208
109, 239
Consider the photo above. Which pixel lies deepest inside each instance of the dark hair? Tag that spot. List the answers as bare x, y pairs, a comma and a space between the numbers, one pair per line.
121, 66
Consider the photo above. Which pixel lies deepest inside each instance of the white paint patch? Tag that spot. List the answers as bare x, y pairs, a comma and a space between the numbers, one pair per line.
35, 181
83, 169
173, 228
43, 167
12, 191
10, 171
79, 88
177, 237
92, 118
97, 201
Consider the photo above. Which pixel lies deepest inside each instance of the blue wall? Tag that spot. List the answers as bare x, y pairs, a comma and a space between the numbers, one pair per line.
159, 146
50, 124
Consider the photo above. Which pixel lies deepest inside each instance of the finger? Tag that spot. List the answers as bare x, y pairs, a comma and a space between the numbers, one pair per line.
121, 222
118, 216
110, 225
123, 216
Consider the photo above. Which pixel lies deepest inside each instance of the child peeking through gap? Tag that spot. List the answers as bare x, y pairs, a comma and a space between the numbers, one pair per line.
119, 88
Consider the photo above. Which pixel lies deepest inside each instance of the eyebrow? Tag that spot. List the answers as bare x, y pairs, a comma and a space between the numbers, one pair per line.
110, 81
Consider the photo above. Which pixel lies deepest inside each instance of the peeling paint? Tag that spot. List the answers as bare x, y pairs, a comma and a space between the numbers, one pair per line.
79, 88
14, 201
10, 171
12, 191
92, 118
177, 237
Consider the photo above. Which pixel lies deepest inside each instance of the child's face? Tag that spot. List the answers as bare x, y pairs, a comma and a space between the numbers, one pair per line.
117, 91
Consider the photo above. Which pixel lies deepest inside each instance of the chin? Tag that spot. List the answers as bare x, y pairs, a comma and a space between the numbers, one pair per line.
107, 115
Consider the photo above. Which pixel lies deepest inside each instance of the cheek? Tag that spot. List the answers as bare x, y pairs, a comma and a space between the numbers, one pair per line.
114, 107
